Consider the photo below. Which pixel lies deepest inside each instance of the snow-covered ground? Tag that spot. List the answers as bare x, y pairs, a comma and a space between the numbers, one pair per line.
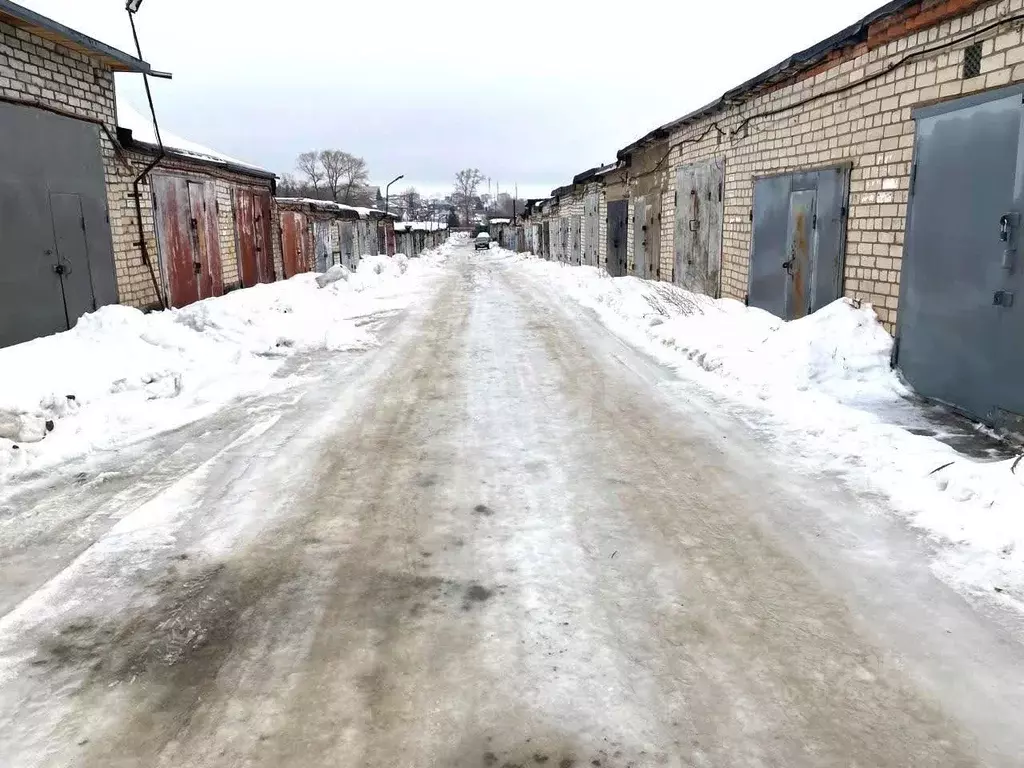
824, 389
121, 375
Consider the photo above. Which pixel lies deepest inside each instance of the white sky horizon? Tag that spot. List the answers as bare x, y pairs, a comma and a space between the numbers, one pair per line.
426, 90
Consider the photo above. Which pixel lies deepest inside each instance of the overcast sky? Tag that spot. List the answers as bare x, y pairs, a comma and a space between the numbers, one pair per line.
532, 91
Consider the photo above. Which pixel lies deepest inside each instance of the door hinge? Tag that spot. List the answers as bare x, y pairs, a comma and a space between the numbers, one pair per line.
751, 214
814, 221
913, 177
82, 222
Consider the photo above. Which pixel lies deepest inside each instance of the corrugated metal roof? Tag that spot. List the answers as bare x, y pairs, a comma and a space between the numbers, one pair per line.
781, 72
48, 29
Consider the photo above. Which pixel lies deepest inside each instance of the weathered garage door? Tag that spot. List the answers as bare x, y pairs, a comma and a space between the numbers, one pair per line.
296, 246
645, 236
253, 232
347, 244
321, 244
546, 240
796, 260
56, 258
188, 238
698, 227
575, 239
618, 231
592, 231
961, 316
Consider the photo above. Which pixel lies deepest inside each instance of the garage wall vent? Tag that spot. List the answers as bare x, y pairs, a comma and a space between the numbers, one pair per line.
972, 61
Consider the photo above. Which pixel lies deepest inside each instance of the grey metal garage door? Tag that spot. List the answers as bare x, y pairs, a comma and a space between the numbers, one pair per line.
618, 230
592, 232
56, 257
796, 260
961, 320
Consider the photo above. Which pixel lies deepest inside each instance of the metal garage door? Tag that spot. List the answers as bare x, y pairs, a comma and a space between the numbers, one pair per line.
796, 260
188, 238
646, 225
576, 237
618, 231
296, 248
961, 320
698, 226
592, 233
321, 244
56, 257
253, 232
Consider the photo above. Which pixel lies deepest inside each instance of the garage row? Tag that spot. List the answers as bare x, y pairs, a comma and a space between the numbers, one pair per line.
882, 165
97, 208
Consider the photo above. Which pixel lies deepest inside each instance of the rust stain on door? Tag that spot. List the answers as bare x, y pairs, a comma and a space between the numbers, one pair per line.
253, 231
206, 238
296, 243
174, 239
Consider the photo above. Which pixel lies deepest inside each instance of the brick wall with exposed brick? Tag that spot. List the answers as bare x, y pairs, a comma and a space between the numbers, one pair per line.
137, 280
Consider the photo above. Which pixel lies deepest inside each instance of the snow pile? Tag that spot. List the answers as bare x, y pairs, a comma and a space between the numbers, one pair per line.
824, 385
121, 374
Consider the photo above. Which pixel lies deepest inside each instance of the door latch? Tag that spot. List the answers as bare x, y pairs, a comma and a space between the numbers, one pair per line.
1003, 299
1007, 223
198, 267
694, 225
788, 266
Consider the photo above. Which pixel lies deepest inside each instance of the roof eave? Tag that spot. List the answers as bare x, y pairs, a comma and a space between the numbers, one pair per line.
794, 65
246, 170
55, 32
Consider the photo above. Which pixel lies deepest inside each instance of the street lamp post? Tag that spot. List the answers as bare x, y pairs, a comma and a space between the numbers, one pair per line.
387, 193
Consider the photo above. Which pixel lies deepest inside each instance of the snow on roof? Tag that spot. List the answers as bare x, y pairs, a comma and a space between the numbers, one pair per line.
141, 127
501, 221
419, 226
327, 205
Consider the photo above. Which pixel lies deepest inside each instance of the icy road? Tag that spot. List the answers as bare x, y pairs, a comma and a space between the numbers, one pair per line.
503, 538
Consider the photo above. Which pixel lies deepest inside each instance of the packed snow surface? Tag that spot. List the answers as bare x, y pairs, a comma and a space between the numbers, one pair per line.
824, 386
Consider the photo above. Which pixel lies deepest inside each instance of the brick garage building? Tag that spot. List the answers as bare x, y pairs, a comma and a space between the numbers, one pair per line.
59, 158
882, 164
317, 234
207, 220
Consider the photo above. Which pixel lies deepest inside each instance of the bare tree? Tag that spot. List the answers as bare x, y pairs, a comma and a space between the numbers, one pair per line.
412, 201
333, 162
288, 186
466, 183
354, 175
309, 166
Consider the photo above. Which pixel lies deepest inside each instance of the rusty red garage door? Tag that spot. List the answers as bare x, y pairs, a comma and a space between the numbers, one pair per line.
296, 243
254, 231
188, 238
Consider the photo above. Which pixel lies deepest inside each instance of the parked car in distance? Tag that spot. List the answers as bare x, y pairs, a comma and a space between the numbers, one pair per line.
482, 241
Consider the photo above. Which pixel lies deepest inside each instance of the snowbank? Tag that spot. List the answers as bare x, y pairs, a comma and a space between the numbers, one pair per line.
121, 374
824, 385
